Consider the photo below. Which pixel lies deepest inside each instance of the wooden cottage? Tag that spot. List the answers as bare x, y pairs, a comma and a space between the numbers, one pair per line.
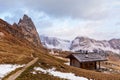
86, 61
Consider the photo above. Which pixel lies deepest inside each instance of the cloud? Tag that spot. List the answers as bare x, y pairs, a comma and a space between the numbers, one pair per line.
14, 16
86, 9
81, 9
68, 29
8, 5
67, 18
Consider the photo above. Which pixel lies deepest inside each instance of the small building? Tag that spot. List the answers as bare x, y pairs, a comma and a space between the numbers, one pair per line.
86, 60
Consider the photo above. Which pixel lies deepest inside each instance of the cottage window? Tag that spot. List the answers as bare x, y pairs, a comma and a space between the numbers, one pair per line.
91, 63
81, 65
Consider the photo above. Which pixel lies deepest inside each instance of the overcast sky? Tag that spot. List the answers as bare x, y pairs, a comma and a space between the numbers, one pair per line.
98, 19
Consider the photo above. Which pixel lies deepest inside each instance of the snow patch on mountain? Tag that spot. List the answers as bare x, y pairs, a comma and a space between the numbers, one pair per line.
91, 45
55, 43
81, 43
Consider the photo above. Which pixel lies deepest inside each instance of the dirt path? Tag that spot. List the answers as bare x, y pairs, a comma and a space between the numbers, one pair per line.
15, 75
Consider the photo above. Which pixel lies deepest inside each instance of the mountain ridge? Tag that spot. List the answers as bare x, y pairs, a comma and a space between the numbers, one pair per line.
89, 44
55, 43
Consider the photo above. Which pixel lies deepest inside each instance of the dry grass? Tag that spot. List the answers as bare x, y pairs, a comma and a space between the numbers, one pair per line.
28, 75
15, 50
47, 62
15, 53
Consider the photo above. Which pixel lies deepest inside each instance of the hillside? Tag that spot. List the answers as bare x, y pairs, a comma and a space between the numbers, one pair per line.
19, 46
15, 46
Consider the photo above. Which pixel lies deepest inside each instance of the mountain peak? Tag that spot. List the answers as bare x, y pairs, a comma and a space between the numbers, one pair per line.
25, 16
26, 21
81, 37
28, 28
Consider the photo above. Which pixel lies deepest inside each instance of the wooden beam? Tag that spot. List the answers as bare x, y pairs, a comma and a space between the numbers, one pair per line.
70, 61
99, 64
95, 65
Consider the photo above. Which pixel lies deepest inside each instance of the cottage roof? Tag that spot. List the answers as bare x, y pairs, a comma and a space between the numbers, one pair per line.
82, 57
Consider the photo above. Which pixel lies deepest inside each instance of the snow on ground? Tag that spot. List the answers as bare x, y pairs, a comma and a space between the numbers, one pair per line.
7, 68
69, 76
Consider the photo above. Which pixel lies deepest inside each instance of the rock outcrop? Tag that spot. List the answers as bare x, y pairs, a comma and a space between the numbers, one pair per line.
28, 29
24, 30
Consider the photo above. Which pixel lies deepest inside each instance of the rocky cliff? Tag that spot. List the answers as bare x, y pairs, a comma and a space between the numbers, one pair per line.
28, 29
24, 30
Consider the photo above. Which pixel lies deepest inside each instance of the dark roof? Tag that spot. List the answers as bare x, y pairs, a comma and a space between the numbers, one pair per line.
82, 57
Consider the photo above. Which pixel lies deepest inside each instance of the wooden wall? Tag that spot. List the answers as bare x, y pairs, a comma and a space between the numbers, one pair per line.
88, 65
84, 65
74, 62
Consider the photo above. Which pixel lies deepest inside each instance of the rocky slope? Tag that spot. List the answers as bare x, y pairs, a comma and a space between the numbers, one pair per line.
115, 43
92, 45
54, 43
17, 43
82, 43
25, 29
28, 29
